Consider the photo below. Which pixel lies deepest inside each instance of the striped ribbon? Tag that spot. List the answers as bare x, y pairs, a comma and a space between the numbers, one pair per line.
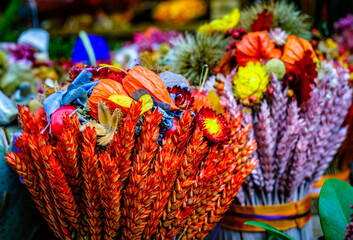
282, 216
316, 188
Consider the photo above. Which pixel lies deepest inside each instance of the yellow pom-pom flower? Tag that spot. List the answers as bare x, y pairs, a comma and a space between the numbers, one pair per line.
228, 21
250, 83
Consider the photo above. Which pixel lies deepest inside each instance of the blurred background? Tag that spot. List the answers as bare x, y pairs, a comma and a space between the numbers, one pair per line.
116, 21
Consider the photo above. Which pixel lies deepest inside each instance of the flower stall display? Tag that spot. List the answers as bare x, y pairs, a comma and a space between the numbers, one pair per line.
297, 105
116, 154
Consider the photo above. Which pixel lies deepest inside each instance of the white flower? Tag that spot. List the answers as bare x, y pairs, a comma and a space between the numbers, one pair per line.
278, 36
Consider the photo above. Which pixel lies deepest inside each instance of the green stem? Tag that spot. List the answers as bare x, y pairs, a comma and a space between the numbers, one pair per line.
204, 74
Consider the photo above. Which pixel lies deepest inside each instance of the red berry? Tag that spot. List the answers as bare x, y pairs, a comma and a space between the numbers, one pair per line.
56, 124
290, 78
232, 45
230, 31
270, 90
253, 99
236, 34
242, 30
246, 101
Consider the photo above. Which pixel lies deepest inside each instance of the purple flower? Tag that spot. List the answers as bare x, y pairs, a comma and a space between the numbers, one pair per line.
22, 52
152, 38
343, 23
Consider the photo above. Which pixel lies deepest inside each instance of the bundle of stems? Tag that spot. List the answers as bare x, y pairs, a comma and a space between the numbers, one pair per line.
295, 143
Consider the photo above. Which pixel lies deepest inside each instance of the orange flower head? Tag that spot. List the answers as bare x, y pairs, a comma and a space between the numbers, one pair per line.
256, 46
294, 51
214, 126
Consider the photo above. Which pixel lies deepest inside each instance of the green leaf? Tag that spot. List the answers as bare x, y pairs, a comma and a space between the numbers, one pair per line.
334, 201
272, 232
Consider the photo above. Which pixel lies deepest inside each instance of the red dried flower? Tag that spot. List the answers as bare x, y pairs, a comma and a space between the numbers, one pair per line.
97, 73
183, 98
264, 21
214, 126
302, 77
227, 63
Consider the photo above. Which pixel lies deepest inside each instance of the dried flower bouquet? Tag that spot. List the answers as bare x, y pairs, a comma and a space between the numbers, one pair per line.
296, 104
144, 181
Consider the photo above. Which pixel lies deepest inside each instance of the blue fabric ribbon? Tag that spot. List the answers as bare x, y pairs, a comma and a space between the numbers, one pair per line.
77, 91
167, 120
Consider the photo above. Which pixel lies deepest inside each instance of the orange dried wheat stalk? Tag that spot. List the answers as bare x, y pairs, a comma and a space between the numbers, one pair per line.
121, 146
111, 196
141, 188
92, 184
172, 223
63, 195
166, 167
68, 152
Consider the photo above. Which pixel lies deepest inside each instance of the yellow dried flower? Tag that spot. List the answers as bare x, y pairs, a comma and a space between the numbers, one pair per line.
330, 44
228, 21
251, 82
329, 48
